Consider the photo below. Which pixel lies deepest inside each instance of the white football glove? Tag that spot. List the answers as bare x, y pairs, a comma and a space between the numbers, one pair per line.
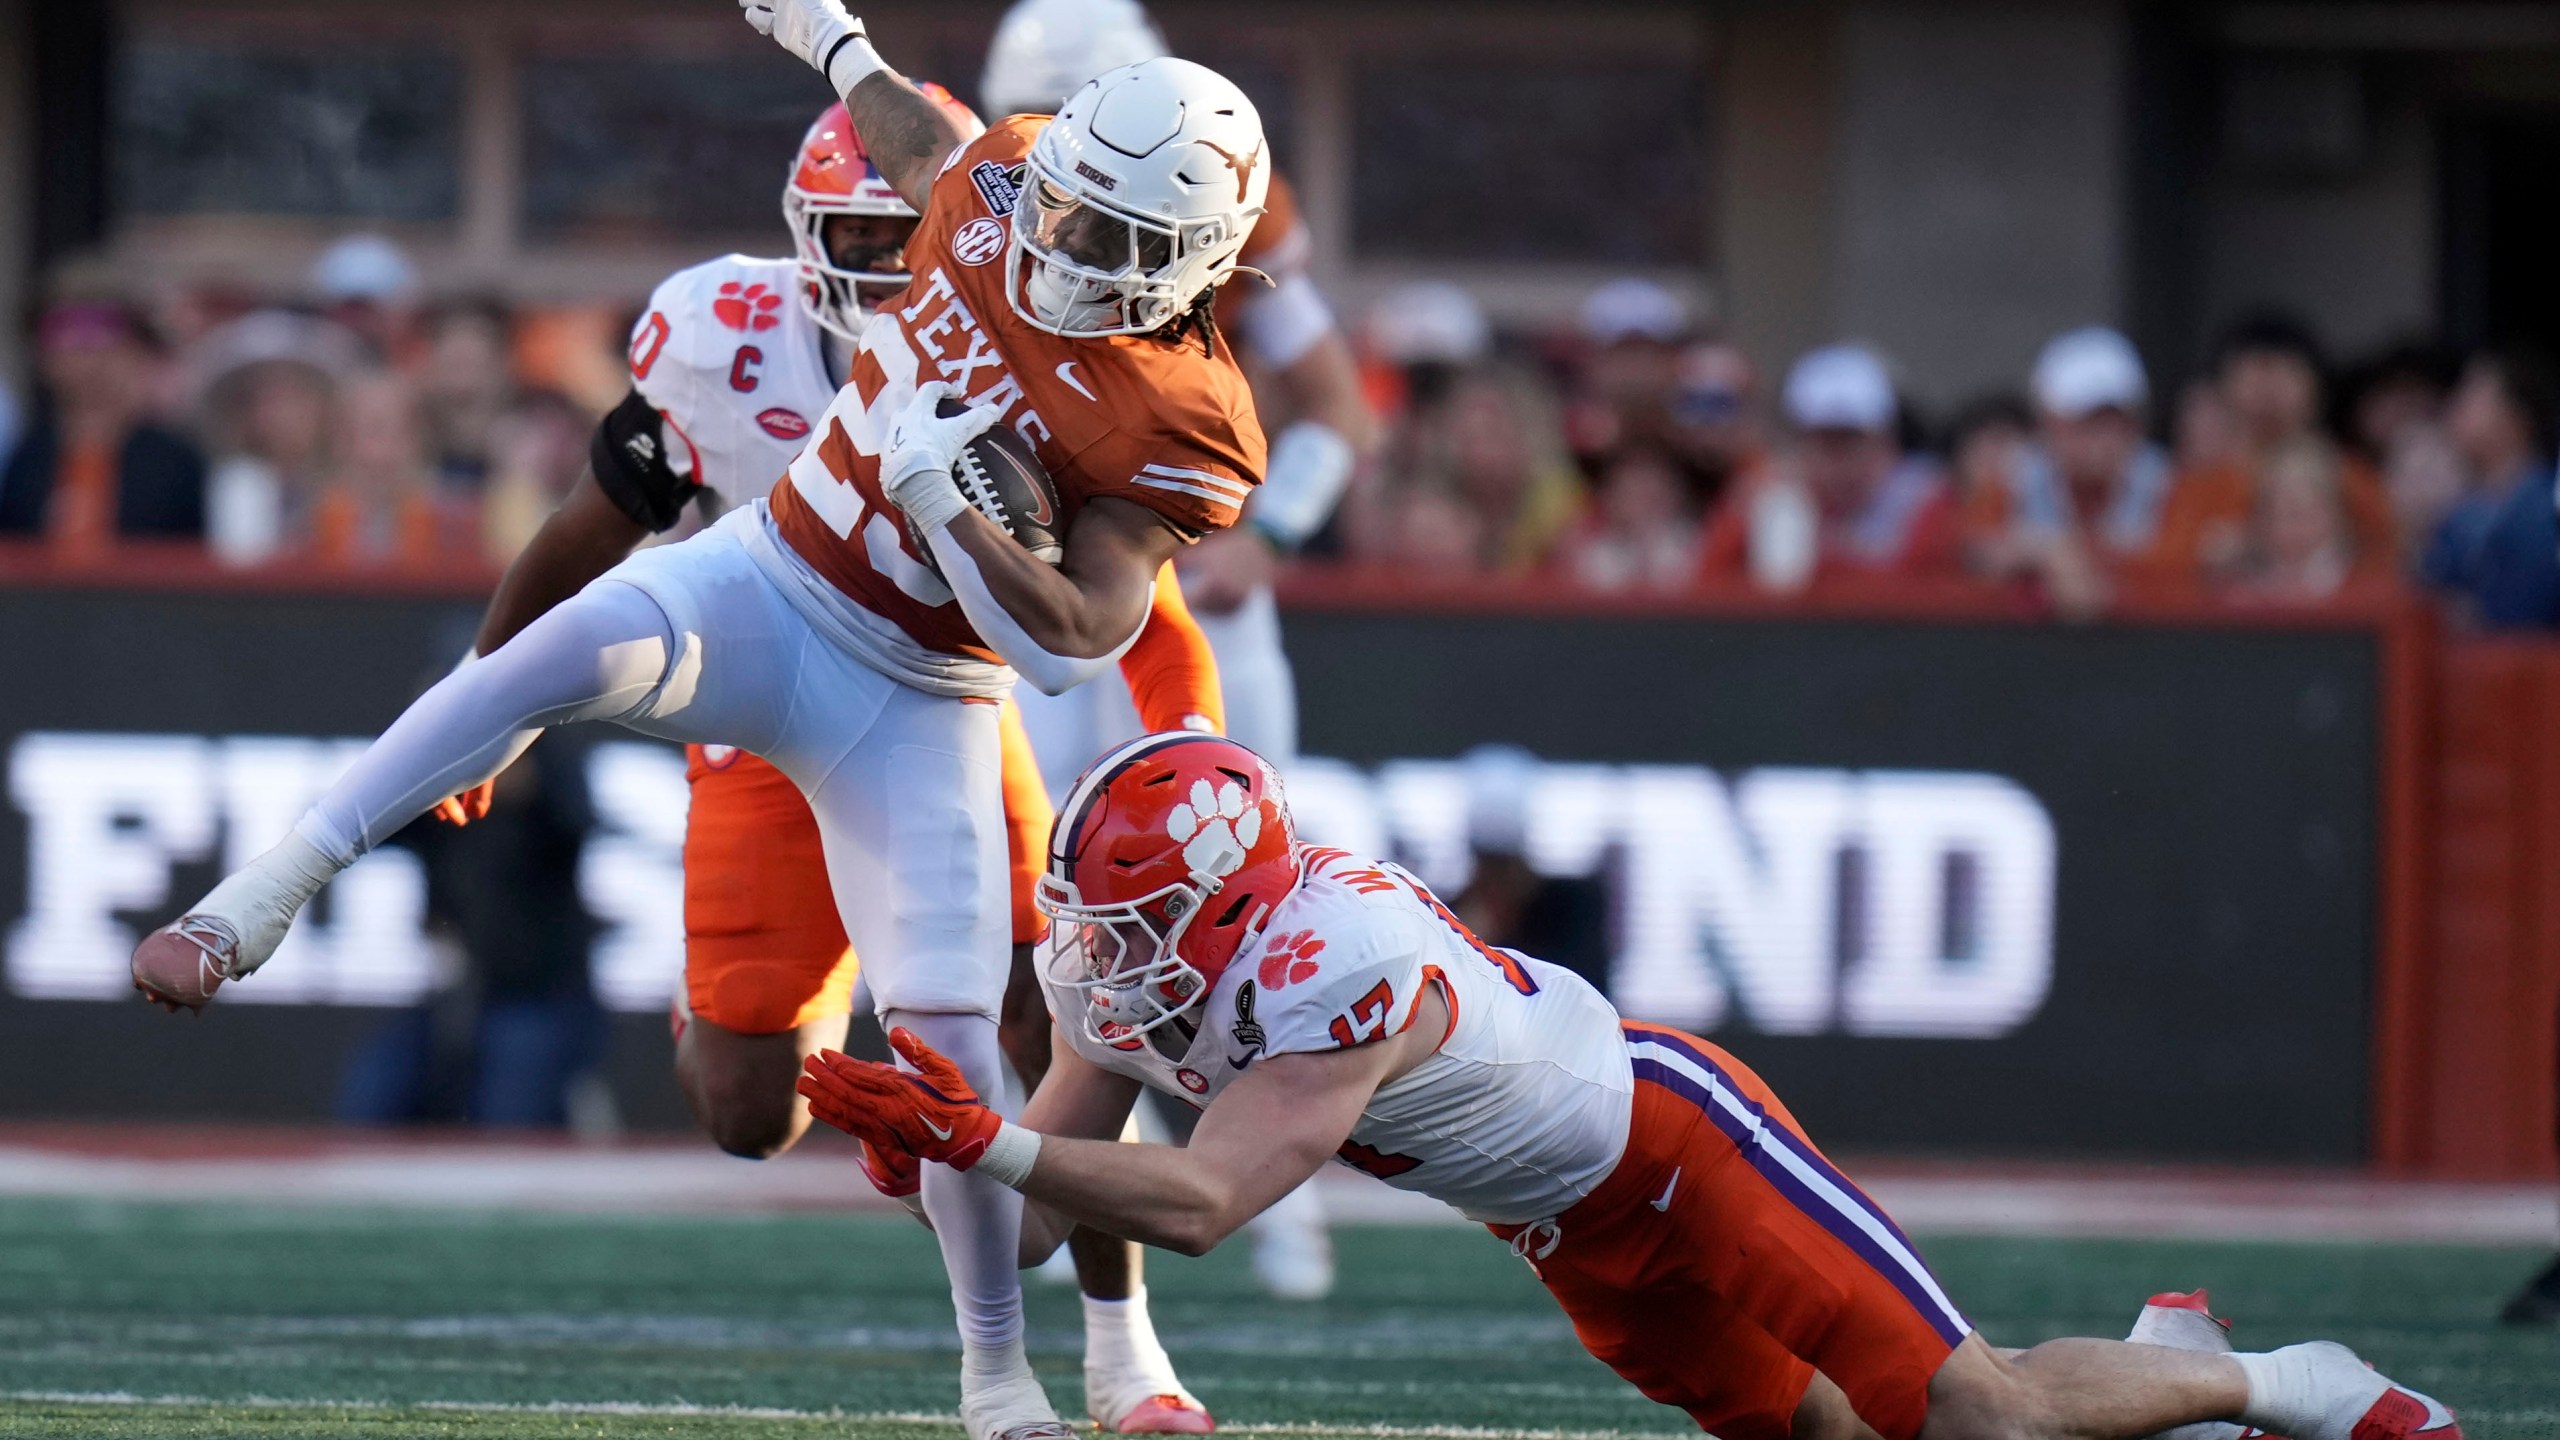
915, 468
819, 32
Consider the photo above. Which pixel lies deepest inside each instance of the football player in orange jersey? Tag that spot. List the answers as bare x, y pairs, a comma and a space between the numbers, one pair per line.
724, 377
861, 628
1307, 386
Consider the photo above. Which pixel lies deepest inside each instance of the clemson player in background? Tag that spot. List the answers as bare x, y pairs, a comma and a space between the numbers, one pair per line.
861, 627
1319, 1005
1307, 385
725, 376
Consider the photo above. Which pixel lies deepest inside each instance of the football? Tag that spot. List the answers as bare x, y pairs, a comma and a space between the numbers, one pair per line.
1002, 478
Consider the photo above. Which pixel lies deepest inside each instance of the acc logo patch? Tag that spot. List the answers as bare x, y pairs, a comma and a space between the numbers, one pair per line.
783, 424
978, 242
995, 186
1193, 1081
1117, 1035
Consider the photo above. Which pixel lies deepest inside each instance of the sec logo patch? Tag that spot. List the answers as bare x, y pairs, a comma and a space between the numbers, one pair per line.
978, 242
783, 424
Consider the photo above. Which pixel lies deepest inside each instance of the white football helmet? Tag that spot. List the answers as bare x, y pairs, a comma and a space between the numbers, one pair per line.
1044, 49
1139, 196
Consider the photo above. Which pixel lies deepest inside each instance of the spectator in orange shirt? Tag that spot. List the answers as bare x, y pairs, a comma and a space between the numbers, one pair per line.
1843, 494
1714, 419
92, 467
2268, 374
381, 506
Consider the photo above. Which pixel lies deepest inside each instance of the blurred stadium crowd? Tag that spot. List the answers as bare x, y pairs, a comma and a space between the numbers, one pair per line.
362, 426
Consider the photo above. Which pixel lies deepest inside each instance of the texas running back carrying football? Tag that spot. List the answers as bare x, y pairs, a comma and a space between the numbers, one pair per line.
860, 629
1306, 384
727, 376
1319, 1004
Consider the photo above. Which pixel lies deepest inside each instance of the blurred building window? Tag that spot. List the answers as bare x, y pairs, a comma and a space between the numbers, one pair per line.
1578, 161
233, 129
620, 146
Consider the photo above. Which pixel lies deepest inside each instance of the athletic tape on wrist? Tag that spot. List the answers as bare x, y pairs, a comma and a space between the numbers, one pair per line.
931, 505
850, 61
1009, 1155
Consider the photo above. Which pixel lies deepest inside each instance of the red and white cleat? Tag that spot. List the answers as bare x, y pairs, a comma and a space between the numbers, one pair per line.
1172, 1412
180, 965
2331, 1394
2182, 1321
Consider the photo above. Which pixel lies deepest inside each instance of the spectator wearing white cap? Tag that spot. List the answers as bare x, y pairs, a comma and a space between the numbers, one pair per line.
1874, 506
1631, 332
2087, 495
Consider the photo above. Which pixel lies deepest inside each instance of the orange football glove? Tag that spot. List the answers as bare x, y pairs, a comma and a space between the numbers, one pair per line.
932, 1114
470, 805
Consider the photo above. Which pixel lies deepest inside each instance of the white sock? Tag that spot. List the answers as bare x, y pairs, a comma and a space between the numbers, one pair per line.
2284, 1391
261, 898
1119, 1335
977, 1221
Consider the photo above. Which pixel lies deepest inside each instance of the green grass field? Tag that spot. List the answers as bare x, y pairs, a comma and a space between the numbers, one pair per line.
123, 1320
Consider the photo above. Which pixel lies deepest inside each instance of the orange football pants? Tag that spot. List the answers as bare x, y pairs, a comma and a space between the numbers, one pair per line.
764, 946
1726, 1260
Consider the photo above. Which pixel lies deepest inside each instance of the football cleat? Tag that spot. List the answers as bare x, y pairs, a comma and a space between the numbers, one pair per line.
1168, 1412
1013, 1407
2182, 1321
181, 964
2350, 1400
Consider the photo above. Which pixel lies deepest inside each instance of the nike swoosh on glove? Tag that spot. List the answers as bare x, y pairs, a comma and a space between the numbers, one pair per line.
931, 1114
924, 446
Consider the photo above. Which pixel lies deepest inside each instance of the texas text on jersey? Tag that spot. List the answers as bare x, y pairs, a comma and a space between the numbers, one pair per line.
1147, 419
1520, 1112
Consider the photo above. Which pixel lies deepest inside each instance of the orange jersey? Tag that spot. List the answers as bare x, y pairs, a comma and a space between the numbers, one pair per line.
1160, 423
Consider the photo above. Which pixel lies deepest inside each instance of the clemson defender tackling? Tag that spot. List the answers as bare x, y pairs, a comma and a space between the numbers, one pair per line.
1318, 1004
860, 629
725, 377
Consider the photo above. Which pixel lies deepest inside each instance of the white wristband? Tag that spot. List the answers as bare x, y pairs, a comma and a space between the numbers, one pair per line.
927, 495
851, 62
1009, 1155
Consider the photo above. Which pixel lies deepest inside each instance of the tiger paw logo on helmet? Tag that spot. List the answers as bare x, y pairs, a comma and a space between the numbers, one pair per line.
1215, 828
1289, 959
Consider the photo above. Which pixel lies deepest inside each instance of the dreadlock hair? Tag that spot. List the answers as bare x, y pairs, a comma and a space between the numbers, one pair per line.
1201, 320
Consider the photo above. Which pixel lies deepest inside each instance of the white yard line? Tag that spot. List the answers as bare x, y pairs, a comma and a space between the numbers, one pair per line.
676, 1178
760, 1412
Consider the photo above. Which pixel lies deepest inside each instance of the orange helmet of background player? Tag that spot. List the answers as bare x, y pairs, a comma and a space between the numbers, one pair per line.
833, 175
1168, 856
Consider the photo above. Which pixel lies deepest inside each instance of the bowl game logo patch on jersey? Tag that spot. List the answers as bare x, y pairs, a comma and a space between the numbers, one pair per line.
783, 424
978, 242
996, 186
1247, 1030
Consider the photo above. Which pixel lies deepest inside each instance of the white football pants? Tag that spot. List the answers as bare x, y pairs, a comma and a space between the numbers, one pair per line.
692, 642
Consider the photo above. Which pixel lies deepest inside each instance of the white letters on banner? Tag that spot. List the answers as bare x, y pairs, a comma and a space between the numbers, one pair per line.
1787, 901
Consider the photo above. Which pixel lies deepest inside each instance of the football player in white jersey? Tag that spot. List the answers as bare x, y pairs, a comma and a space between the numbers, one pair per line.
1307, 385
1320, 1005
860, 628
731, 363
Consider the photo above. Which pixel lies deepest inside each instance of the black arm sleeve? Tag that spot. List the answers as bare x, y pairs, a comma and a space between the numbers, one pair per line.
629, 456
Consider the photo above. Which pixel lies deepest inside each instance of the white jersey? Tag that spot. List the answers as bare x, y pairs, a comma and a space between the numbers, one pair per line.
733, 361
1522, 1110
